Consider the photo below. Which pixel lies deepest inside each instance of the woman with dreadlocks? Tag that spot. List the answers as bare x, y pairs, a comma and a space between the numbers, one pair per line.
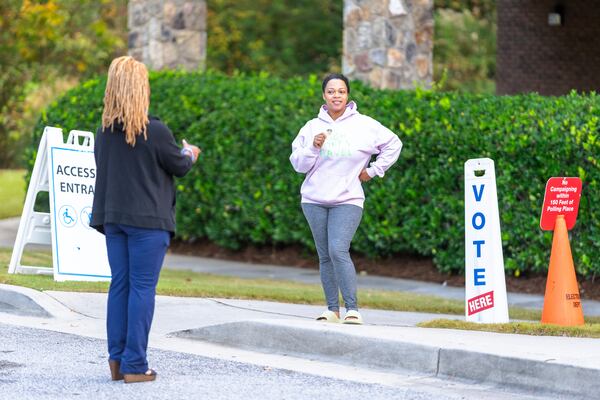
134, 207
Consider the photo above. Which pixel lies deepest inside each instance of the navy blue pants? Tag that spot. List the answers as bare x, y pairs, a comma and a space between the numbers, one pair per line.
135, 256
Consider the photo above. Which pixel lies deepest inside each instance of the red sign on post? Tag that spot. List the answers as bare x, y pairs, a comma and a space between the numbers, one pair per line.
561, 198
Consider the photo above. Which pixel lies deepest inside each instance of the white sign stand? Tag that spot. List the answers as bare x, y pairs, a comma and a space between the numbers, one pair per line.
34, 227
485, 285
67, 171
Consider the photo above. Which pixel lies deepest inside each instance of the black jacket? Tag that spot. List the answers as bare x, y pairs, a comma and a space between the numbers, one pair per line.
134, 185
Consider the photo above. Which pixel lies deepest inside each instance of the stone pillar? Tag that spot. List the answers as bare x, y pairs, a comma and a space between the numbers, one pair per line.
168, 33
389, 43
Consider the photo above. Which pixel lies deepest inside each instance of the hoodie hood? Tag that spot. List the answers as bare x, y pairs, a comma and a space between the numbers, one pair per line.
351, 109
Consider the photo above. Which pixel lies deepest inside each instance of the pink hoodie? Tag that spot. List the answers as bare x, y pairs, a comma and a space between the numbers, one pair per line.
332, 171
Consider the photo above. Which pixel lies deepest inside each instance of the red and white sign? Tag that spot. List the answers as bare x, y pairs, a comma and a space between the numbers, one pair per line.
480, 303
561, 198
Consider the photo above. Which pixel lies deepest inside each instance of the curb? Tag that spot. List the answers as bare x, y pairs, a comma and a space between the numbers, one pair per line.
322, 344
325, 342
538, 376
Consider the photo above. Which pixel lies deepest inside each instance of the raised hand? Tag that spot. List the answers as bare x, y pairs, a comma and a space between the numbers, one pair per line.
195, 150
319, 140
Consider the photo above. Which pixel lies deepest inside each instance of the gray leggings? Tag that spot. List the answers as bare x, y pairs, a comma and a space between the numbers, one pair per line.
333, 228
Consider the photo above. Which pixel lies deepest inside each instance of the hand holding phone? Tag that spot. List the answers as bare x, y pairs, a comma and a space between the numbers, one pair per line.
195, 150
319, 140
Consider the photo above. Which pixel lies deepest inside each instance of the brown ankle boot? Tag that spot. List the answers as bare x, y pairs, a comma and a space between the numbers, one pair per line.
114, 370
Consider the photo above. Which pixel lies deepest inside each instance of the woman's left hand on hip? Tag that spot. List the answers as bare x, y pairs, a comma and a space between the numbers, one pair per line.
364, 177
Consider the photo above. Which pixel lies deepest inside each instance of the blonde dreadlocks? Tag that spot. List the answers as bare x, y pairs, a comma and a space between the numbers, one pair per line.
127, 97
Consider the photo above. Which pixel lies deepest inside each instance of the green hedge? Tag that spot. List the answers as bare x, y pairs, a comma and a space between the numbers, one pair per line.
244, 190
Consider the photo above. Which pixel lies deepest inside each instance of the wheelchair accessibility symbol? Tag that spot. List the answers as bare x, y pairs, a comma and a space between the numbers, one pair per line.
86, 216
67, 216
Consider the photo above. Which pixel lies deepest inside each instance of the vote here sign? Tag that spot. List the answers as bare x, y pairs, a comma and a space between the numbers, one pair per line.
485, 286
561, 198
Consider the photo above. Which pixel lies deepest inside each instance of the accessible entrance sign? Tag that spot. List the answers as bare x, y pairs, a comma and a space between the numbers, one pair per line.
68, 172
485, 286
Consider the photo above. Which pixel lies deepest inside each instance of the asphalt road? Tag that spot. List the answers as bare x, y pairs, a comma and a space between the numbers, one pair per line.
40, 364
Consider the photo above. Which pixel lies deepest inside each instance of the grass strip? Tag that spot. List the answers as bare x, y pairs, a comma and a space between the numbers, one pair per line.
12, 195
194, 284
589, 330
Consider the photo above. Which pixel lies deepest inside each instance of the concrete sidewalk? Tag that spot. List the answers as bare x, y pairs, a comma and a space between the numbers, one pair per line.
278, 335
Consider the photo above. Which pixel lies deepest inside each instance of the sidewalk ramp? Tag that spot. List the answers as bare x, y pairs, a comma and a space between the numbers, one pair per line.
15, 303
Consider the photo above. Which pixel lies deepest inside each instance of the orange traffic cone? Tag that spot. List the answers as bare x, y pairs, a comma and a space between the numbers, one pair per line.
562, 305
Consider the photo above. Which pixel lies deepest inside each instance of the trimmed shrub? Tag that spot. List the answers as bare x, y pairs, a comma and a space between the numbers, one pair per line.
244, 190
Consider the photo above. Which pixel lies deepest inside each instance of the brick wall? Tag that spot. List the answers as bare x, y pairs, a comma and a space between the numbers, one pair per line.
533, 56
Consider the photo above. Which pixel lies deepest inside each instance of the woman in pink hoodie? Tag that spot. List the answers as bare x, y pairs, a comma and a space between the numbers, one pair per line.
334, 151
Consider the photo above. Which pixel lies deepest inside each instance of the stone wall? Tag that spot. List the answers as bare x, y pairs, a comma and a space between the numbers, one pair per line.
168, 33
533, 56
389, 43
